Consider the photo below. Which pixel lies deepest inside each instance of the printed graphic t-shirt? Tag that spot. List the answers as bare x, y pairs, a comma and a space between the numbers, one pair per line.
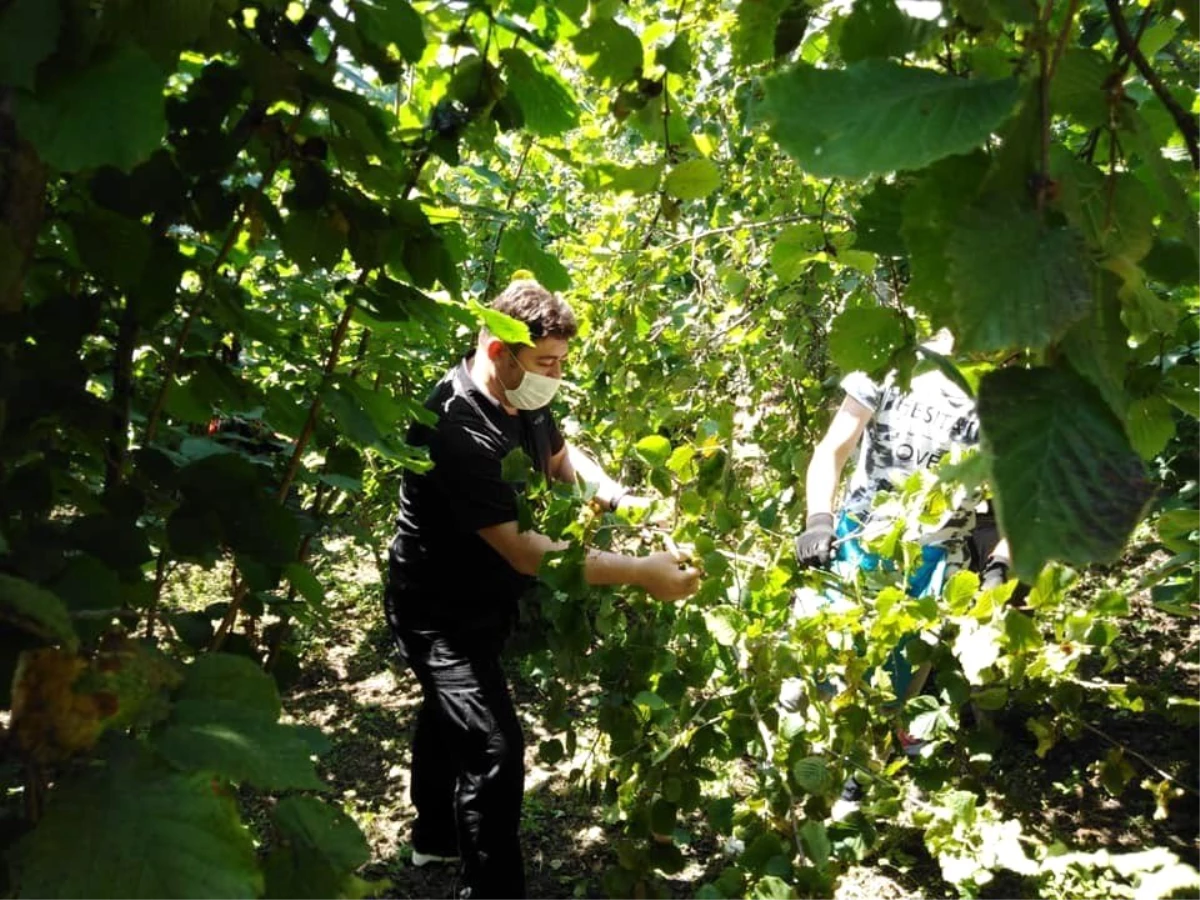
909, 431
441, 574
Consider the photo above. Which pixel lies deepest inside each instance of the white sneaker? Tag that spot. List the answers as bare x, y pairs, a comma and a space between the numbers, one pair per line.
420, 859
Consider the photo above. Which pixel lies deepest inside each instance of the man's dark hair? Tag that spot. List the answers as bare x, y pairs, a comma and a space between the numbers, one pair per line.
546, 313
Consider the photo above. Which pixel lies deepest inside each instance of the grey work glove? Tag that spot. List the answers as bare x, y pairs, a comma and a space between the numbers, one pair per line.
994, 574
814, 547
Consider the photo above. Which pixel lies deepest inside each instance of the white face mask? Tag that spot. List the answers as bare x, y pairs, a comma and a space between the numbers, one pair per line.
534, 391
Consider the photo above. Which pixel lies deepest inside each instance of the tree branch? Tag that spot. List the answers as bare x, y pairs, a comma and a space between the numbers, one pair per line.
1183, 120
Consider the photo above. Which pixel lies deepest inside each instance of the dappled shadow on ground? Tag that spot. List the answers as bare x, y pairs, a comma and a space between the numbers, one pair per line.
1060, 796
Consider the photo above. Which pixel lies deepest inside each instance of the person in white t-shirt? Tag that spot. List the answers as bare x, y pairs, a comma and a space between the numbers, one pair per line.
897, 433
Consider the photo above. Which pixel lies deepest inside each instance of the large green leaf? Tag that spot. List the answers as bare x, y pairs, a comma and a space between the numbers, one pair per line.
878, 218
693, 180
1068, 485
612, 53
224, 720
35, 610
546, 101
317, 851
864, 338
795, 246
879, 28
1171, 197
232, 679
133, 828
931, 210
392, 22
878, 116
1097, 346
756, 33
1079, 88
1016, 282
505, 327
240, 745
522, 250
28, 30
108, 113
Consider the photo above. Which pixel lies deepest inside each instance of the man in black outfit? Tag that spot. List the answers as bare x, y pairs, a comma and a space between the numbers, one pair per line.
457, 565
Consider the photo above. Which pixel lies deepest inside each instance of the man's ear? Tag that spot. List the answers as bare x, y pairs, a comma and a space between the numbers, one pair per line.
494, 348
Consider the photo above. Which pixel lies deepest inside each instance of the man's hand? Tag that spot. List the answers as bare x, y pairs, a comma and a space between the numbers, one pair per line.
815, 546
665, 576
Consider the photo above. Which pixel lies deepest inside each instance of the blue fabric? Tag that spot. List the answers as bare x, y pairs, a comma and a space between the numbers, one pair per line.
926, 581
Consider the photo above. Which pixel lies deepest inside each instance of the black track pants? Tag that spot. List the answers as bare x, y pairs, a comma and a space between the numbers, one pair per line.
468, 761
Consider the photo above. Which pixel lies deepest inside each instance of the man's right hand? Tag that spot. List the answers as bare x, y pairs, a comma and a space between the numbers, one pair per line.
815, 546
666, 576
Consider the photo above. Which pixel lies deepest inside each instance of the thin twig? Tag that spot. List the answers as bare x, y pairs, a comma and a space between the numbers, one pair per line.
1169, 777
751, 226
512, 196
1063, 35
1183, 120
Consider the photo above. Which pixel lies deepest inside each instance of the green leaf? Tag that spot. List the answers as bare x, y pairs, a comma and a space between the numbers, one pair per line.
927, 717
1150, 425
36, 610
654, 449
877, 220
1068, 485
1097, 346
755, 30
815, 841
677, 56
725, 623
108, 113
931, 212
650, 700
1016, 282
795, 247
1115, 771
546, 102
522, 250
612, 54
551, 751
1046, 734
137, 829
1178, 219
812, 775
693, 180
876, 116
502, 325
662, 817
224, 720
392, 22
322, 829
864, 338
306, 583
114, 247
638, 180
28, 32
1079, 87
879, 28
314, 238
772, 887
720, 815
232, 679
319, 849
241, 745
